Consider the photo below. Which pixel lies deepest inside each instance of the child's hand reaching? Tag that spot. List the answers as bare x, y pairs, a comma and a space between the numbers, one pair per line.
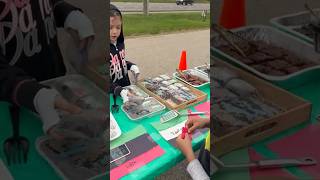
136, 72
128, 97
185, 146
194, 123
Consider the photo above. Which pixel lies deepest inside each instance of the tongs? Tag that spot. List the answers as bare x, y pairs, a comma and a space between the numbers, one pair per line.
312, 12
263, 164
223, 33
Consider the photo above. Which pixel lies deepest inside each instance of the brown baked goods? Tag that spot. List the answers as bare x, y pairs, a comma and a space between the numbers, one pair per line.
268, 59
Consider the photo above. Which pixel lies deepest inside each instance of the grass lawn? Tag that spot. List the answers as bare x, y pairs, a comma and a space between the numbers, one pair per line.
160, 1
138, 24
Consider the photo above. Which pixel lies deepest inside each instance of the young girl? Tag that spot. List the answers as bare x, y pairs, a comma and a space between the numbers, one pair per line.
119, 66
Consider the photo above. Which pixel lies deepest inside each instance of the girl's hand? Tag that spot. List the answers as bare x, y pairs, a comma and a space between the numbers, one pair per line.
194, 123
136, 72
185, 146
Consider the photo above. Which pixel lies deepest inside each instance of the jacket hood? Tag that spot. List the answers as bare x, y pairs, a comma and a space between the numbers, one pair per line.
120, 39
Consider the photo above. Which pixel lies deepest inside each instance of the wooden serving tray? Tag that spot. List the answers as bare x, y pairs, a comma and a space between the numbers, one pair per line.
295, 111
201, 96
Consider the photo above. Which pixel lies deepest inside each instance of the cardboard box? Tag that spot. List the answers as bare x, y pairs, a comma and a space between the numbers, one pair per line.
296, 111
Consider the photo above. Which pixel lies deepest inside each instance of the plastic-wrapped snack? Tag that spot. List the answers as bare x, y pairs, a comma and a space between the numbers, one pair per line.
241, 88
157, 79
135, 110
166, 83
262, 106
165, 77
172, 81
222, 94
88, 124
164, 88
150, 87
179, 85
177, 99
173, 87
136, 91
185, 88
223, 122
223, 75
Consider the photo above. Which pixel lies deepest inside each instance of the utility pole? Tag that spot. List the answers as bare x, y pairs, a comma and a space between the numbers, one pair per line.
146, 7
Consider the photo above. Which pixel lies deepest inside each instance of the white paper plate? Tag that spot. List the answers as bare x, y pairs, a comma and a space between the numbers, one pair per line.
115, 130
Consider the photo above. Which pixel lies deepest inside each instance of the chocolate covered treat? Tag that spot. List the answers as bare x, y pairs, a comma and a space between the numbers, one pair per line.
191, 78
268, 59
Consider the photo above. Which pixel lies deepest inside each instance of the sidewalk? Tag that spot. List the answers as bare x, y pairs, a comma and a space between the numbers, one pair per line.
160, 54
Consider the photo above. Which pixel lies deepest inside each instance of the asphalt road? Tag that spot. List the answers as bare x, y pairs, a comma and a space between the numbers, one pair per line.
156, 7
160, 54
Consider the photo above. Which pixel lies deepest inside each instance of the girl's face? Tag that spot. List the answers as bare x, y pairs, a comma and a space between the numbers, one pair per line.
115, 28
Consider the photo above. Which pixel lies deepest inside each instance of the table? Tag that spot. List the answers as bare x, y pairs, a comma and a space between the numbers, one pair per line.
172, 155
310, 92
31, 128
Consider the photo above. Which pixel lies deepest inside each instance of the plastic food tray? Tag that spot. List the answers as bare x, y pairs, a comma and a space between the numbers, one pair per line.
60, 165
97, 95
287, 23
139, 90
280, 39
195, 73
200, 68
152, 113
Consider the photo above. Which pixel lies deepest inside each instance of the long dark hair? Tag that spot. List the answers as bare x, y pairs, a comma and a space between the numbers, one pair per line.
114, 11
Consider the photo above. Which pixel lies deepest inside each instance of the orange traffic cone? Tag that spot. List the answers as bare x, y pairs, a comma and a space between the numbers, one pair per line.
183, 61
233, 14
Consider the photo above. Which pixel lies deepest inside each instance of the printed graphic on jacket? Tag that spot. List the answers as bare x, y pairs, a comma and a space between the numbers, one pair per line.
28, 36
20, 26
118, 67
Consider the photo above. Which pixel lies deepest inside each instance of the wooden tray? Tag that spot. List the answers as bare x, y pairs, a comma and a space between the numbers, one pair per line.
296, 111
201, 96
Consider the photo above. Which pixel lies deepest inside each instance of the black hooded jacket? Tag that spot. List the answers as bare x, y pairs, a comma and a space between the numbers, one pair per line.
118, 65
29, 50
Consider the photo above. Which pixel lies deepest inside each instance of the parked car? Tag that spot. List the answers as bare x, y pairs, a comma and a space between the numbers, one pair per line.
184, 2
